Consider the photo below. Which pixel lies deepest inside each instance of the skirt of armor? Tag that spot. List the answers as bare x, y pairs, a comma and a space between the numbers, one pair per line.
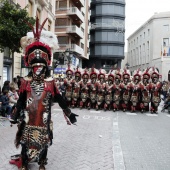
93, 97
126, 98
146, 100
108, 99
156, 100
68, 95
116, 98
84, 97
134, 100
36, 139
100, 99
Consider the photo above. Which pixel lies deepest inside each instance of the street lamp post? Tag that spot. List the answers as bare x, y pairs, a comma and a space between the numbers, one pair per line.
69, 55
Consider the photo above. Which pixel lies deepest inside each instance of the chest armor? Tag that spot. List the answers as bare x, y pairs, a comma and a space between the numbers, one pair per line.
68, 94
76, 91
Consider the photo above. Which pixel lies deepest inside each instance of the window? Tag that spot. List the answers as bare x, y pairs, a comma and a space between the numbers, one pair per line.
82, 13
61, 22
140, 37
144, 57
165, 41
63, 4
144, 35
82, 45
62, 40
148, 32
166, 28
147, 51
140, 55
82, 29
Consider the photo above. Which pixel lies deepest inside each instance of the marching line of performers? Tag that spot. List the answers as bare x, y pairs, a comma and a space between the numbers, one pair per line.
118, 90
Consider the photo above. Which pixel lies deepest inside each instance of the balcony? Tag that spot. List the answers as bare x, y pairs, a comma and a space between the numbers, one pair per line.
73, 47
50, 6
78, 3
75, 31
72, 30
75, 14
42, 2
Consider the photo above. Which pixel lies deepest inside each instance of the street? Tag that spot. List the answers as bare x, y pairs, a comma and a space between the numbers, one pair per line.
100, 140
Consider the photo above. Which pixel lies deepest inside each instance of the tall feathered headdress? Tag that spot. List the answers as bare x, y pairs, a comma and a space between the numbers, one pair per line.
38, 45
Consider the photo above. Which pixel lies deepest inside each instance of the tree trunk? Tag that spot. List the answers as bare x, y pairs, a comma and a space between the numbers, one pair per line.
12, 65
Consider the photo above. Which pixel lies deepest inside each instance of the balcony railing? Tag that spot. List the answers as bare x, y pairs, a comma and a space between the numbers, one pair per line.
43, 2
73, 47
50, 6
75, 11
75, 30
82, 2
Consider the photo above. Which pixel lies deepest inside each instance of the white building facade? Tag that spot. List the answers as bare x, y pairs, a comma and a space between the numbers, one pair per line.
149, 45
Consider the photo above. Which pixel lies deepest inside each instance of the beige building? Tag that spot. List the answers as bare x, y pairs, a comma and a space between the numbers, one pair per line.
69, 19
44, 9
149, 45
72, 28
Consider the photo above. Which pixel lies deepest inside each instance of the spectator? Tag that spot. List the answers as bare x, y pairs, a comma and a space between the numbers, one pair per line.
6, 86
14, 84
165, 88
13, 96
5, 103
19, 81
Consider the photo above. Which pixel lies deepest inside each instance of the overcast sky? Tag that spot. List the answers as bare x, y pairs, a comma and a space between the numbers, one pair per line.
139, 11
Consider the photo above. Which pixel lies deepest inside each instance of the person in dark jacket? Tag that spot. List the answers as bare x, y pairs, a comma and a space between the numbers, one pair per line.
5, 103
6, 86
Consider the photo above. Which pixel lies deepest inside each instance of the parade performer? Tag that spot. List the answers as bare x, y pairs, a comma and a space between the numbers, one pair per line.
136, 85
155, 90
93, 88
165, 89
117, 90
33, 109
125, 90
145, 91
68, 85
76, 88
101, 85
109, 91
84, 89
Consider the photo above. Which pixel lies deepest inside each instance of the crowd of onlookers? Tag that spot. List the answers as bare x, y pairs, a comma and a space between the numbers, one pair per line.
9, 96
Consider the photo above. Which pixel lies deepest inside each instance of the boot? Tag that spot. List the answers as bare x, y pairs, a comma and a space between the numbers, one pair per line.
41, 167
24, 168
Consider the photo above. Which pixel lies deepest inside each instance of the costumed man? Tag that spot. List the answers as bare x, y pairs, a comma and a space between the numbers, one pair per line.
165, 88
135, 85
117, 90
84, 89
145, 91
156, 87
93, 88
68, 85
109, 91
101, 85
33, 109
76, 88
126, 90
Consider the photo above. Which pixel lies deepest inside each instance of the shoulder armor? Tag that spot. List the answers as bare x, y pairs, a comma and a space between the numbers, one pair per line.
48, 79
